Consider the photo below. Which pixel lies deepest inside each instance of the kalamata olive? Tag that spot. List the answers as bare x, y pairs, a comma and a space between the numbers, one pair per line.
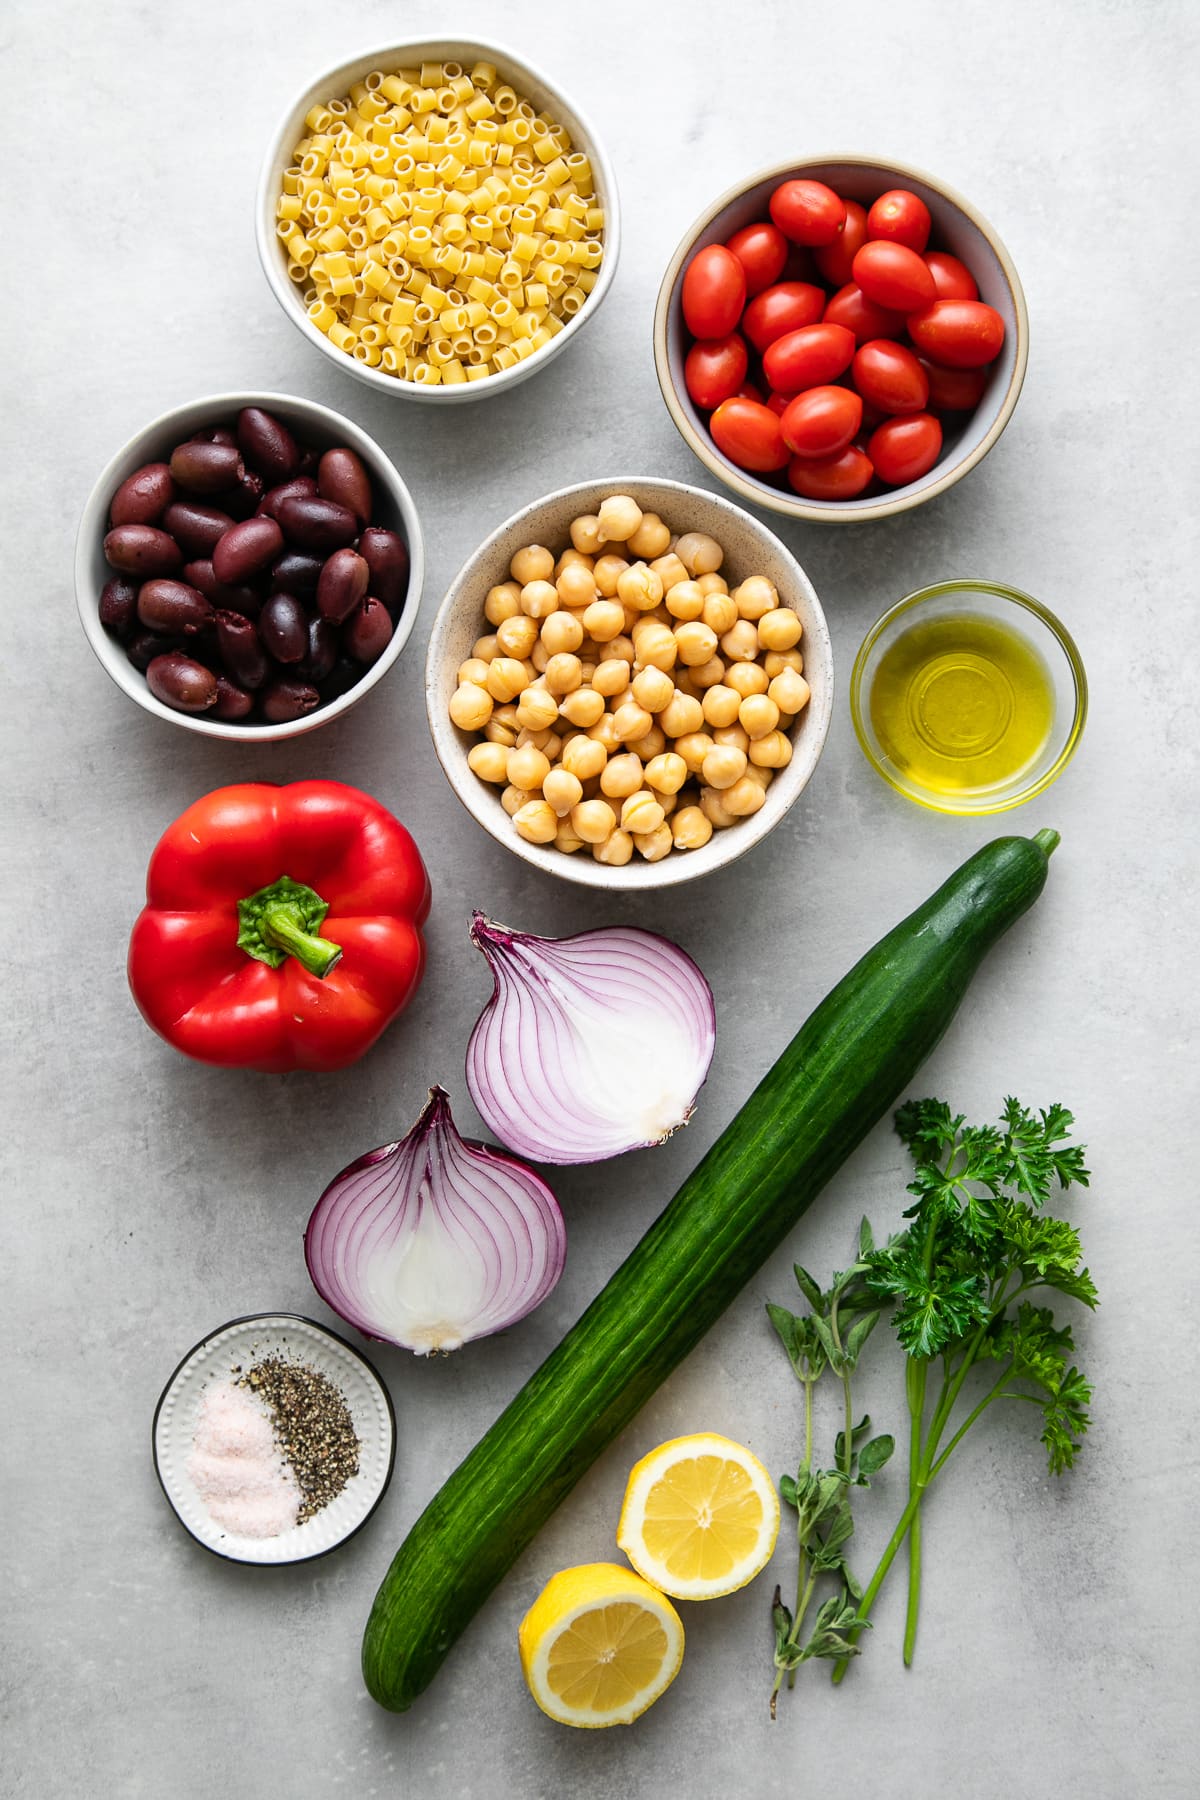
243, 500
303, 485
367, 631
195, 528
309, 458
283, 628
233, 702
214, 434
180, 682
172, 607
246, 548
142, 550
144, 496
144, 646
296, 573
386, 556
288, 699
341, 476
118, 606
243, 599
322, 653
345, 675
342, 585
311, 523
267, 444
241, 651
206, 468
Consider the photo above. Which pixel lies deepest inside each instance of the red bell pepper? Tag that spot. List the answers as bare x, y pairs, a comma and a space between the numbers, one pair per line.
282, 927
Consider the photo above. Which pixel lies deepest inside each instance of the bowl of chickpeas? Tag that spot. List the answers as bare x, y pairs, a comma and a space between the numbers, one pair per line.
438, 218
629, 683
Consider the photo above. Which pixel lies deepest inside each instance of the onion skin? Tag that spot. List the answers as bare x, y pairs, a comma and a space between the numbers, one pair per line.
482, 1232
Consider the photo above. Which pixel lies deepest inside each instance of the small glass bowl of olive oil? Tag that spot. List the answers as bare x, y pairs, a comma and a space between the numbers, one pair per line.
968, 697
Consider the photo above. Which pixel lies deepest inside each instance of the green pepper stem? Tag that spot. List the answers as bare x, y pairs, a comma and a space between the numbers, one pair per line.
282, 925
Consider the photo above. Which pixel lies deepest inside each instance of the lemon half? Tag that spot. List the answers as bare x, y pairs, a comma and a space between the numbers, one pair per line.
599, 1645
700, 1517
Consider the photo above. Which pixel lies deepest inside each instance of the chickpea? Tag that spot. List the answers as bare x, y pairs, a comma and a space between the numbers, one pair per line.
733, 737
621, 775
571, 558
707, 675
560, 632
565, 838
546, 741
605, 732
696, 643
583, 707
616, 850
771, 752
776, 661
690, 829
513, 799
517, 636
712, 583
584, 757
755, 597
653, 845
780, 629
684, 715
527, 768
790, 691
723, 766
576, 586
641, 813
713, 810
503, 602
693, 747
562, 791
537, 709
621, 646
496, 733
669, 570
563, 673
654, 645
743, 798
686, 683
631, 721
758, 715
652, 744
506, 678
473, 672
740, 642
608, 571
603, 620
539, 599
651, 538
612, 676
699, 553
746, 678
666, 773
619, 516
685, 602
533, 563
720, 705
593, 821
539, 656
488, 761
485, 648
653, 689
720, 613
760, 776
639, 588
586, 535
470, 707
537, 822
631, 615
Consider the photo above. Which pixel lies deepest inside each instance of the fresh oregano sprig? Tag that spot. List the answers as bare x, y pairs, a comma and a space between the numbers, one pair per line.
829, 1338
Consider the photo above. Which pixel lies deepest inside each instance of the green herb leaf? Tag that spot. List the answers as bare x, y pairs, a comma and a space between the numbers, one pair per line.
809, 1289
874, 1455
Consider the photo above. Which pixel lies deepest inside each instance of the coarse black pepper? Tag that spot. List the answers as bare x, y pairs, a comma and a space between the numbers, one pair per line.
313, 1428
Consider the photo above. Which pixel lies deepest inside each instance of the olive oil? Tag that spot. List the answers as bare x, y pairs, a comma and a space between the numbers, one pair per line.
962, 705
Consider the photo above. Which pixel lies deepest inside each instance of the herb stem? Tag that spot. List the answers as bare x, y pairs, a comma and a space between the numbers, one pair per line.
876, 1582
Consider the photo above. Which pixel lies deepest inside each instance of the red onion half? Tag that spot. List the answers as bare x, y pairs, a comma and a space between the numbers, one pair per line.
589, 1045
435, 1240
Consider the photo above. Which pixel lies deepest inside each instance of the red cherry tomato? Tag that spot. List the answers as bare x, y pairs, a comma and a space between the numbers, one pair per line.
785, 307
762, 251
748, 391
821, 422
902, 218
748, 434
952, 279
778, 403
889, 377
904, 449
851, 308
962, 334
714, 292
715, 369
808, 212
834, 260
810, 357
841, 477
953, 390
893, 276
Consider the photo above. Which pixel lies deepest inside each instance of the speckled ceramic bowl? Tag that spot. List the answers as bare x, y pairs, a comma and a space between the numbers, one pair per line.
957, 227
530, 83
750, 549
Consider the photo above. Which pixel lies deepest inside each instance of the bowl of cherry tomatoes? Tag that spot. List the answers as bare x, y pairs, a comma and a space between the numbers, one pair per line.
841, 339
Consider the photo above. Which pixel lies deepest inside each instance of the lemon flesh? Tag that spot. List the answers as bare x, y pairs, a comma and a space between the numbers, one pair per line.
700, 1517
599, 1645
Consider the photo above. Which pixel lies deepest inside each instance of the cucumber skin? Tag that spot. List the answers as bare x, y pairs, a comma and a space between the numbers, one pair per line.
846, 1066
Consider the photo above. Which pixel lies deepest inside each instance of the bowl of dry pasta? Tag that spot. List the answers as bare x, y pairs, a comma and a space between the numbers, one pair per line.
438, 219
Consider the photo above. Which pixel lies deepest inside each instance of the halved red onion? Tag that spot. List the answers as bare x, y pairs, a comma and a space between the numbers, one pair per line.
435, 1240
589, 1045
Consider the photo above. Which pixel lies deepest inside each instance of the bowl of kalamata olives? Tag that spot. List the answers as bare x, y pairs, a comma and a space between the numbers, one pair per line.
249, 566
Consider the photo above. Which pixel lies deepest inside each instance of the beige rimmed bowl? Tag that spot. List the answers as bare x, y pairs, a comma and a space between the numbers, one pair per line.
750, 549
531, 84
957, 226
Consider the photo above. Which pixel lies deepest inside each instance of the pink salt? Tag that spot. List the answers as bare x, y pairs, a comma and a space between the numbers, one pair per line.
236, 1467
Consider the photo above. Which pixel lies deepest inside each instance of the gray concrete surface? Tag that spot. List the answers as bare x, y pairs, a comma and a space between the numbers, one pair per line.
148, 1199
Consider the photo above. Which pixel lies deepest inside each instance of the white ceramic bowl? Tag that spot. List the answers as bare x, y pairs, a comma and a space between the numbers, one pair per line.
312, 424
750, 549
233, 1348
532, 85
957, 227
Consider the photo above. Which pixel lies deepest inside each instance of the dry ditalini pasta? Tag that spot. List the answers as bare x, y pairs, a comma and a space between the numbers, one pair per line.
625, 700
440, 228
